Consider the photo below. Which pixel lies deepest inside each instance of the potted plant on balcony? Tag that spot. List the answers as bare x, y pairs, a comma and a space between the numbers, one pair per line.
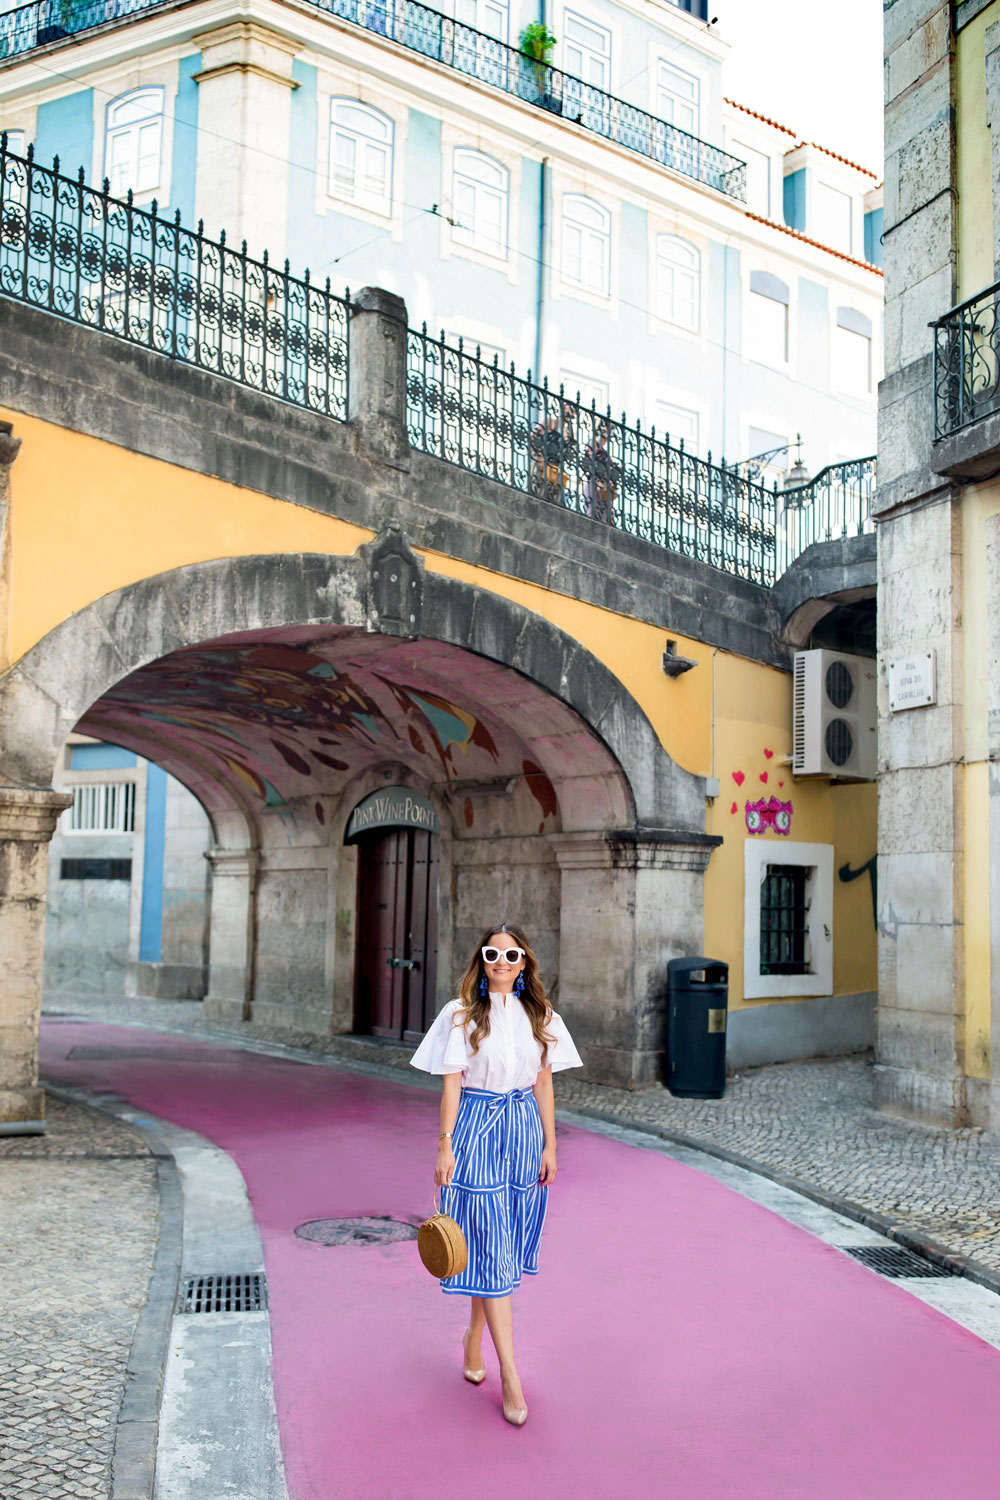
536, 43
62, 18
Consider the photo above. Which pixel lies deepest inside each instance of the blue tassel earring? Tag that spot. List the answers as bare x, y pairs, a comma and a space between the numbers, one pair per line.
484, 986
519, 985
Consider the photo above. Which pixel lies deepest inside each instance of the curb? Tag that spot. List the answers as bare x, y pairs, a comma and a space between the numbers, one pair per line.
931, 1249
133, 1460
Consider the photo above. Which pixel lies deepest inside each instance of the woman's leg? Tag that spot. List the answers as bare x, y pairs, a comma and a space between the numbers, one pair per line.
499, 1315
474, 1335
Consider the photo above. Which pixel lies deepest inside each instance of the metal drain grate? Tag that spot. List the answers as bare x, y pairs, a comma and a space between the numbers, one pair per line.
231, 1292
895, 1260
362, 1231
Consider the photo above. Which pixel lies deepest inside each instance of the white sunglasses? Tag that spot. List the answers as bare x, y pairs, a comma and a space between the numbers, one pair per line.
494, 955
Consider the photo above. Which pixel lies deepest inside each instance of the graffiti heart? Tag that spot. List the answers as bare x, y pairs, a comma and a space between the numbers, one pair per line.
767, 813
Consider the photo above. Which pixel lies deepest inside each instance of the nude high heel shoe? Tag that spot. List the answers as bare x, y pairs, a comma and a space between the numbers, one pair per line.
474, 1377
515, 1415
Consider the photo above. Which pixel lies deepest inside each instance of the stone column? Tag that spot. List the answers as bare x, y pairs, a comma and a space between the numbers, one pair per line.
245, 89
231, 934
27, 823
630, 901
377, 377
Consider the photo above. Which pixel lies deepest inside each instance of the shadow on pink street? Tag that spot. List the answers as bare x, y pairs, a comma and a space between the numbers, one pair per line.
679, 1341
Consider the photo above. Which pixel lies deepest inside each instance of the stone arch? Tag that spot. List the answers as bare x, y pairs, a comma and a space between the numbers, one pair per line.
620, 838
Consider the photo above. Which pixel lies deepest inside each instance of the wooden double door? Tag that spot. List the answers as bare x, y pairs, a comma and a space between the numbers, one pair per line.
397, 933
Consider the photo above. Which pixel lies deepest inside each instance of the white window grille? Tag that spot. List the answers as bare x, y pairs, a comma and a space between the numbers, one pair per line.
101, 807
360, 155
480, 191
587, 50
678, 281
489, 16
831, 217
678, 97
586, 244
133, 142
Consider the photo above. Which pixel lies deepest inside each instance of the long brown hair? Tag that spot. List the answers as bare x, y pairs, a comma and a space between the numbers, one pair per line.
476, 1006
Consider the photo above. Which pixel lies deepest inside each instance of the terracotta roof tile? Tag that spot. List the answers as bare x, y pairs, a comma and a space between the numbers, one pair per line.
797, 234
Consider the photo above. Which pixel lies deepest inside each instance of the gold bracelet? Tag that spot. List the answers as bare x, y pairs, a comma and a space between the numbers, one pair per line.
445, 1135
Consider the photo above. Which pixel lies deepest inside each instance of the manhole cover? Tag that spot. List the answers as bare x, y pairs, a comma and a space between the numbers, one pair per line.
366, 1231
226, 1291
895, 1260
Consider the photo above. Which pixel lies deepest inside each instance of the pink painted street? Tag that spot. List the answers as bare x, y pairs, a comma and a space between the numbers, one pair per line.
680, 1339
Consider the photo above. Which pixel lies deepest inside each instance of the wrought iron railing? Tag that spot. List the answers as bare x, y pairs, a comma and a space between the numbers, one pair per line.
966, 366
496, 423
833, 505
541, 441
101, 261
447, 41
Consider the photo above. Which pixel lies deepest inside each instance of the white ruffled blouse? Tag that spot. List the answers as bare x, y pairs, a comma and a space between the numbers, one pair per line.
509, 1058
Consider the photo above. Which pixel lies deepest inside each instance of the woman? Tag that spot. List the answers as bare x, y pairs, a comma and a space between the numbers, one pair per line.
497, 1048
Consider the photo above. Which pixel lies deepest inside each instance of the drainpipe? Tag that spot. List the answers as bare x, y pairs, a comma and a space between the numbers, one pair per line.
540, 284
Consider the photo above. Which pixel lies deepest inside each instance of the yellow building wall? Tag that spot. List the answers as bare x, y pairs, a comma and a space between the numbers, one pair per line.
973, 163
88, 518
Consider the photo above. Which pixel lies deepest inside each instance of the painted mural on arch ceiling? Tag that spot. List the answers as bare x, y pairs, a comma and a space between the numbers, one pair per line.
286, 721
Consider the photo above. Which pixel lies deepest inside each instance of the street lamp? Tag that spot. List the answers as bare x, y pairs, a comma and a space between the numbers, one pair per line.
795, 477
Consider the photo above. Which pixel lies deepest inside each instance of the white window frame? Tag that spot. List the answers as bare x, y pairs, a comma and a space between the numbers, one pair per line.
593, 391
761, 850
100, 807
380, 139
670, 267
750, 344
17, 140
671, 103
469, 168
131, 132
599, 56
820, 231
491, 17
663, 407
576, 209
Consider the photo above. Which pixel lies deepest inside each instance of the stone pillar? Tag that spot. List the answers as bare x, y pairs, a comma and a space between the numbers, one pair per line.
630, 901
244, 136
27, 823
231, 934
9, 448
377, 377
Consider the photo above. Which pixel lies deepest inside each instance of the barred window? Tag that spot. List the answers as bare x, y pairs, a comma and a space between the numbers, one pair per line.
133, 142
784, 920
101, 807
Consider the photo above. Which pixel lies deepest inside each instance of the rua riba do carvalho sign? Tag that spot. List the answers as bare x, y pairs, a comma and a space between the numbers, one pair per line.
392, 807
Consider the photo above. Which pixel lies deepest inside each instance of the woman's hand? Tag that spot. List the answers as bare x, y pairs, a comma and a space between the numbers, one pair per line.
548, 1168
445, 1169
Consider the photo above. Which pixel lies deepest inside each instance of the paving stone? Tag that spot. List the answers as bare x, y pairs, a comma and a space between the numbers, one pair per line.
78, 1229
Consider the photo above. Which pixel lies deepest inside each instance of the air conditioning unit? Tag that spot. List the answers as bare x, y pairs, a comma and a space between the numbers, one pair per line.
834, 715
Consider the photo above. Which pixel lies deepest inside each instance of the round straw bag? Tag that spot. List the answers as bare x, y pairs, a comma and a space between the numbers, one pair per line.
441, 1244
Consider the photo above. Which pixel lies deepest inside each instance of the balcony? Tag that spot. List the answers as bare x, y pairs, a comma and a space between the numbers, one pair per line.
966, 386
443, 40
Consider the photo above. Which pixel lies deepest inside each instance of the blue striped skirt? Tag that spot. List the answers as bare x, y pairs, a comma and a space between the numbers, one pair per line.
495, 1194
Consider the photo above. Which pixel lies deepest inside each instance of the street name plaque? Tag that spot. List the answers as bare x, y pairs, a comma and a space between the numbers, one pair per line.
913, 681
392, 807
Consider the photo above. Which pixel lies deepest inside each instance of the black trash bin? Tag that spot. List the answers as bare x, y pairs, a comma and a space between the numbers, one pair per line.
697, 1005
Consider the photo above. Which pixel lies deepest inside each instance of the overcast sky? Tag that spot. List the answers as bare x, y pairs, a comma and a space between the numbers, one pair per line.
812, 65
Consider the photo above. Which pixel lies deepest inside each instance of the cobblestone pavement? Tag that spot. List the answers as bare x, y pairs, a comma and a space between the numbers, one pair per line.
809, 1121
78, 1224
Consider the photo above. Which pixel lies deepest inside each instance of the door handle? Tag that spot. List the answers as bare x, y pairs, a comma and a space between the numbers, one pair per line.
403, 963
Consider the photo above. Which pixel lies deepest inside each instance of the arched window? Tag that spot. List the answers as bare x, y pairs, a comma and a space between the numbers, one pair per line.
360, 155
133, 142
678, 281
480, 192
586, 243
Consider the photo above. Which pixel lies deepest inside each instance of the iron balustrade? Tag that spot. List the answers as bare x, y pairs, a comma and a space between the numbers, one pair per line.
444, 40
835, 504
493, 422
966, 365
504, 426
106, 263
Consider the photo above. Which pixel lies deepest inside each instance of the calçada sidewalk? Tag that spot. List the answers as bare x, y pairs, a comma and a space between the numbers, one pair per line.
680, 1339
